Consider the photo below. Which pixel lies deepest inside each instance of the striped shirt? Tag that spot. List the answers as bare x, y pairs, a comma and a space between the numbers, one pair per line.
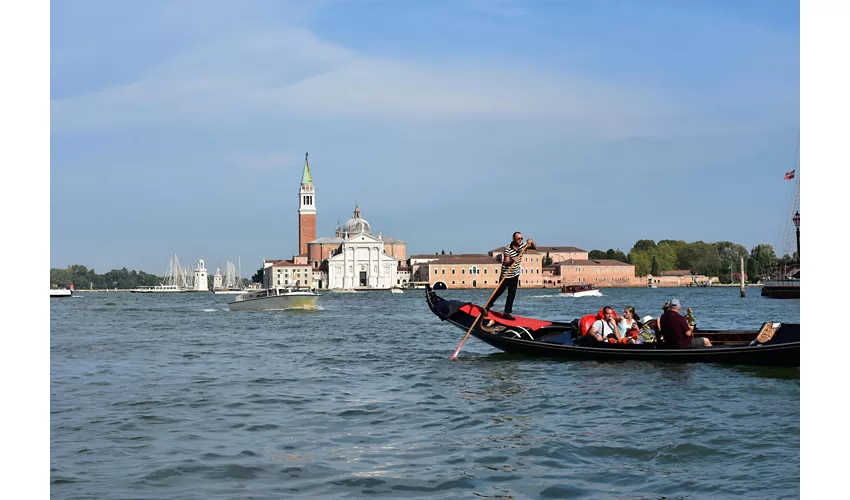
509, 271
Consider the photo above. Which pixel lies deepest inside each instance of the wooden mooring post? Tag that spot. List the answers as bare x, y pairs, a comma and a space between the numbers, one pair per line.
743, 290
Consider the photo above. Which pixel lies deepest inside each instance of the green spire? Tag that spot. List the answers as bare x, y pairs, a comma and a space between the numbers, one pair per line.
306, 178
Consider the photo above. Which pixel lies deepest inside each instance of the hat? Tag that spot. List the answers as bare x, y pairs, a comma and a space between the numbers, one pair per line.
665, 306
646, 318
675, 303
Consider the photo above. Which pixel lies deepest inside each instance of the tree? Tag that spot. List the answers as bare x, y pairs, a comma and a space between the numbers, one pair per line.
643, 246
258, 276
752, 269
596, 255
443, 252
547, 261
764, 256
615, 255
642, 260
700, 258
654, 270
667, 253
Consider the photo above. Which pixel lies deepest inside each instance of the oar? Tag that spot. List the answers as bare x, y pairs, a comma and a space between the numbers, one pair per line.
478, 318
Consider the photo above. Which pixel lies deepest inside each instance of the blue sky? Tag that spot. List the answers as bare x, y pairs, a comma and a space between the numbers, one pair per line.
181, 127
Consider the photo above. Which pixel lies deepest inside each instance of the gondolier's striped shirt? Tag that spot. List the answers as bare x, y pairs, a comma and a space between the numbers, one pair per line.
509, 271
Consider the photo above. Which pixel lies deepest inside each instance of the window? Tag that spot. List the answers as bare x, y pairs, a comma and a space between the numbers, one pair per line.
485, 272
444, 270
453, 270
463, 282
463, 271
453, 282
435, 271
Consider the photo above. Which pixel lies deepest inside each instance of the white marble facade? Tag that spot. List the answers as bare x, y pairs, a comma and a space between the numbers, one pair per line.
362, 263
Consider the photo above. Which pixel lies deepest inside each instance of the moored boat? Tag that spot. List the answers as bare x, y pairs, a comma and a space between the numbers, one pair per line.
60, 292
788, 288
275, 298
580, 291
775, 344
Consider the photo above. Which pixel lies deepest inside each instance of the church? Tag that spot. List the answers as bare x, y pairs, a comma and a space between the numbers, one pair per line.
353, 258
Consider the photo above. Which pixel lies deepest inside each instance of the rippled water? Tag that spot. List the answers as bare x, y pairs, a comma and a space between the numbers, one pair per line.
173, 396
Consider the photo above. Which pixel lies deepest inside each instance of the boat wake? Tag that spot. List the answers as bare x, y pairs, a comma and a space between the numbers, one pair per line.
209, 310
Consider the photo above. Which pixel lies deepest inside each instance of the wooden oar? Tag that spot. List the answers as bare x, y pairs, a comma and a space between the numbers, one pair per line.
478, 318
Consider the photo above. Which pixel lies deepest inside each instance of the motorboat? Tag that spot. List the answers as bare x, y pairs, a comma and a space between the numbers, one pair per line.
60, 292
275, 298
580, 291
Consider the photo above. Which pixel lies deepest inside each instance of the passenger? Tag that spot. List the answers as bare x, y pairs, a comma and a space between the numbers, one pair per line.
628, 325
678, 334
605, 328
647, 334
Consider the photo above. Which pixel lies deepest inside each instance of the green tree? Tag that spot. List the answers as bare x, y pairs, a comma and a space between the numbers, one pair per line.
642, 260
596, 255
258, 276
615, 255
643, 246
443, 252
547, 261
667, 253
700, 258
764, 256
654, 269
752, 269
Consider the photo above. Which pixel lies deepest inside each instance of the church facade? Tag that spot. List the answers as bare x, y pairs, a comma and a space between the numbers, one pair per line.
353, 258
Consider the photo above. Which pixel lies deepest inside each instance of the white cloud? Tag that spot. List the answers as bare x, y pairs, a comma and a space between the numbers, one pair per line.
292, 72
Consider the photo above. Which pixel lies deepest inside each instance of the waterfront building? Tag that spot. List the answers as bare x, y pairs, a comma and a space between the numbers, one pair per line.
352, 258
283, 273
604, 273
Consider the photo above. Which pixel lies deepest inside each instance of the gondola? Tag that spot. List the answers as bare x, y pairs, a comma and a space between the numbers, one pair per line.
775, 344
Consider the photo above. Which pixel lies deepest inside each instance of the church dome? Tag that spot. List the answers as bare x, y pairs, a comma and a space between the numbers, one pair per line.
357, 224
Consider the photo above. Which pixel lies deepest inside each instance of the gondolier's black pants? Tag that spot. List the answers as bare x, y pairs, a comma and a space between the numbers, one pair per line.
510, 284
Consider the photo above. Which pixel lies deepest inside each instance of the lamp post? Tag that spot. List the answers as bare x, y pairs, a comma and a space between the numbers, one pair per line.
796, 220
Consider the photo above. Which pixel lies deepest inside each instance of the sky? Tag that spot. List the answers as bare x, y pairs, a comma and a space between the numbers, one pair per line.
181, 127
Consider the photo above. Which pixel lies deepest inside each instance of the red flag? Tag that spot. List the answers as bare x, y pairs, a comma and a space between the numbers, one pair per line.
790, 175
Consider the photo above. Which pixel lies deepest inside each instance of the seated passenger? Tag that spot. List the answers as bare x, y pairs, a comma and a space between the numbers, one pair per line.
647, 332
628, 325
678, 334
605, 328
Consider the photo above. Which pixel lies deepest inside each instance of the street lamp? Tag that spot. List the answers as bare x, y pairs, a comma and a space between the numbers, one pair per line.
796, 220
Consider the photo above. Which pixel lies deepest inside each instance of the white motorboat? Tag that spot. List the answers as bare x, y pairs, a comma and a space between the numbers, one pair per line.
230, 291
396, 289
580, 291
60, 292
275, 298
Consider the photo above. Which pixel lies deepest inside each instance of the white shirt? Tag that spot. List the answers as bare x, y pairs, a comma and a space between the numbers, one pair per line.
602, 328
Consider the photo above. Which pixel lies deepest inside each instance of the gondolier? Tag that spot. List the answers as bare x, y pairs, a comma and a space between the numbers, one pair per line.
511, 269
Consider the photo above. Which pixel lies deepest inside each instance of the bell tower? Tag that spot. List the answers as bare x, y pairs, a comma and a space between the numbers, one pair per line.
306, 209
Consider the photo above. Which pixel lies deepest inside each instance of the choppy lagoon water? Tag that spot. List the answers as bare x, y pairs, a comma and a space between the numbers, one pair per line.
173, 396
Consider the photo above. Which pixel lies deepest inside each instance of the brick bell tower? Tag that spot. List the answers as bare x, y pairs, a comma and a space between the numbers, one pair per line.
306, 209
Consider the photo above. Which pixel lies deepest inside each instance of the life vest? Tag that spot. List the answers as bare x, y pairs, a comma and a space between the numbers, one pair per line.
586, 322
601, 314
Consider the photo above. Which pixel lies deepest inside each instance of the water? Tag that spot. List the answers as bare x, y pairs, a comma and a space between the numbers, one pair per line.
172, 396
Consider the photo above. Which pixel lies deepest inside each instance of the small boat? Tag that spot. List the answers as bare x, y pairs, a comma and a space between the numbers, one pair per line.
775, 344
60, 292
788, 288
275, 298
652, 285
230, 291
580, 291
396, 289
